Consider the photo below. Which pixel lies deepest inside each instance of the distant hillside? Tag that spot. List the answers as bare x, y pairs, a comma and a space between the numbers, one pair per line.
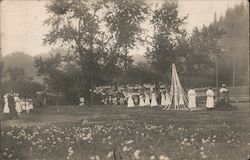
25, 61
52, 52
20, 60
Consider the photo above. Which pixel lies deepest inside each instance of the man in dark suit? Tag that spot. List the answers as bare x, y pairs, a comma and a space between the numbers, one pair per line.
11, 103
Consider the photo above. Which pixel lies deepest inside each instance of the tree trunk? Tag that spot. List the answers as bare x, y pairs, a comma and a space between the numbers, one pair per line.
126, 58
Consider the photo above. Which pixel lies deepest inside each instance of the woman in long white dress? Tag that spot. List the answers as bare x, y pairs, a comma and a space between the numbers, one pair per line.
191, 99
153, 100
147, 101
18, 104
141, 103
130, 101
163, 99
210, 99
6, 108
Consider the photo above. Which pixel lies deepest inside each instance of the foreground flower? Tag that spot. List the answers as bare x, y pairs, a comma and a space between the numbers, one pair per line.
162, 157
109, 155
136, 154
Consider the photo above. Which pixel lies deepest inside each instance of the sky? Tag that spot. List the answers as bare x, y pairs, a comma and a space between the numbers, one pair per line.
22, 26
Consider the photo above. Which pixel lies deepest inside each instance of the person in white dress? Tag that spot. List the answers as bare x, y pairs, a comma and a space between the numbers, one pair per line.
147, 101
18, 103
81, 101
210, 99
224, 94
130, 101
6, 108
31, 104
191, 99
27, 107
153, 100
168, 101
23, 105
163, 99
141, 103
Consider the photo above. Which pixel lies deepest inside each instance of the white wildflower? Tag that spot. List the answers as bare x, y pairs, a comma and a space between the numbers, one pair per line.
109, 155
136, 154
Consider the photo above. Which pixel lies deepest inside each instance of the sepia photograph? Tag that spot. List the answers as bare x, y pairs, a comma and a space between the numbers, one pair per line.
124, 80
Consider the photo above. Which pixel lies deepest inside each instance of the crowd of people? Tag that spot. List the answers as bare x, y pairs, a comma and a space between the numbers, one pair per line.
119, 95
14, 106
146, 95
149, 95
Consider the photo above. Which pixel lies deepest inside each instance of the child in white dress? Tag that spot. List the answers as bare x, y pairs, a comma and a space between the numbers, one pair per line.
6, 106
141, 103
163, 100
153, 100
147, 101
18, 104
130, 101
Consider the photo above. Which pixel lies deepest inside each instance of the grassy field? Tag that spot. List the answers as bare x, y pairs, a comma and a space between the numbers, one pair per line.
113, 132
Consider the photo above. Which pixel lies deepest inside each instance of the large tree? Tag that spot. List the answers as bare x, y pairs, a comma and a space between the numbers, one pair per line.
234, 64
205, 48
124, 19
60, 77
75, 25
168, 26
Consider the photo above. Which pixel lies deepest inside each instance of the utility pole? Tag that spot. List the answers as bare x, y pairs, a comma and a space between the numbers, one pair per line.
217, 77
91, 93
217, 73
1, 70
233, 72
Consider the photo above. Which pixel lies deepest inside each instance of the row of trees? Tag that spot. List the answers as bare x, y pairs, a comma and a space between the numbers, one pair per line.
99, 35
97, 38
234, 64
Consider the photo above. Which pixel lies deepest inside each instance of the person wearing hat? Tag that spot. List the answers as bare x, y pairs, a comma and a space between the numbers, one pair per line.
18, 106
130, 102
210, 98
224, 94
11, 104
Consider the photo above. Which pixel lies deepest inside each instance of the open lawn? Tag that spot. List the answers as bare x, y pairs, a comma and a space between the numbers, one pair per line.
114, 132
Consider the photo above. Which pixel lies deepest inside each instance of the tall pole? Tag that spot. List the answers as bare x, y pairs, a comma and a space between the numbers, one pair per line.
248, 72
217, 77
91, 93
1, 67
233, 72
217, 73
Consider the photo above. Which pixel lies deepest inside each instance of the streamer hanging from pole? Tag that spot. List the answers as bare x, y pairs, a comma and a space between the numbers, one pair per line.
178, 96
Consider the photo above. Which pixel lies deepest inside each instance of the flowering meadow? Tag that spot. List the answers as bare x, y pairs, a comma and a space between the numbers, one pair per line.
141, 134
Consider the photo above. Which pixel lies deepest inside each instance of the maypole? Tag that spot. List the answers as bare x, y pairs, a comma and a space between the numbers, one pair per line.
178, 96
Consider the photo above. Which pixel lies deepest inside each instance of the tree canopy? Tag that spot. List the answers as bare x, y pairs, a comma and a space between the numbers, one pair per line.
98, 36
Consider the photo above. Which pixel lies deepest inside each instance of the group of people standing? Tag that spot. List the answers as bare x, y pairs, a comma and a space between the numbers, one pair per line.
166, 100
14, 106
222, 98
150, 100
